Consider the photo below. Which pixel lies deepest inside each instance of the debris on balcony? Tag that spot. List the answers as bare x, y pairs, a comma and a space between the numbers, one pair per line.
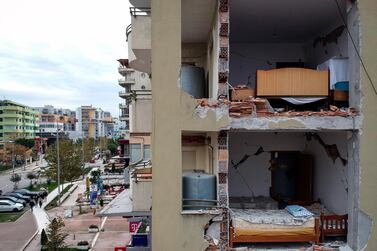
260, 107
219, 107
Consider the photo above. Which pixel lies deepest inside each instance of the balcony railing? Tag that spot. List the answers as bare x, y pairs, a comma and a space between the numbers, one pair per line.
128, 31
140, 11
123, 106
126, 81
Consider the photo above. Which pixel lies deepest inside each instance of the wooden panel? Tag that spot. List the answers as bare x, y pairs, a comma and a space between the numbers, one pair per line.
314, 237
289, 82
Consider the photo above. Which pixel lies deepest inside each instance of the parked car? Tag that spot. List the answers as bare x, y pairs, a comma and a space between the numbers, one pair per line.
8, 206
13, 199
19, 196
32, 194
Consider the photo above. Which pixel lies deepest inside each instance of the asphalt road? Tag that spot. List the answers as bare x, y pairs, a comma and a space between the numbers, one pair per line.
7, 186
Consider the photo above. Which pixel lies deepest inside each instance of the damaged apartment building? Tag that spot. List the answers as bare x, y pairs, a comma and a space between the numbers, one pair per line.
263, 122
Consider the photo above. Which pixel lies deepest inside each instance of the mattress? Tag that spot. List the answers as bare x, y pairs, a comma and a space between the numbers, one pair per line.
270, 222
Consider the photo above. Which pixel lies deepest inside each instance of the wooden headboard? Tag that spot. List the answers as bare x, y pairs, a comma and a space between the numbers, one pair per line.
292, 82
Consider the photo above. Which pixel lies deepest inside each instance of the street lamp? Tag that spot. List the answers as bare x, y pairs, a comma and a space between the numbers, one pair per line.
58, 156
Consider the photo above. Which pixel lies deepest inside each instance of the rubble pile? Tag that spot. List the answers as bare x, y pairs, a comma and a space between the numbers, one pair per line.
260, 107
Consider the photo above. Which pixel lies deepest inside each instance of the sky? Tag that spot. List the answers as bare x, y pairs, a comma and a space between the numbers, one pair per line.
62, 53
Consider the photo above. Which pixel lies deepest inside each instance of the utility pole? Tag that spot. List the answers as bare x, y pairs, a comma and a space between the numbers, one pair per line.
57, 149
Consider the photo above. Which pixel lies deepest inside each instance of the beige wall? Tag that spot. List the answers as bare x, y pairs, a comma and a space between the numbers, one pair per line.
141, 195
141, 115
173, 113
368, 137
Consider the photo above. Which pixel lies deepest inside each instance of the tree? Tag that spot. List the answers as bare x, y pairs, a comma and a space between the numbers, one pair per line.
28, 143
88, 146
44, 238
31, 176
16, 152
112, 146
15, 179
56, 234
70, 161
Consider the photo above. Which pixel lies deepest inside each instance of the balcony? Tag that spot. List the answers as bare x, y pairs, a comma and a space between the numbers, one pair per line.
124, 118
124, 94
139, 39
123, 106
123, 70
127, 81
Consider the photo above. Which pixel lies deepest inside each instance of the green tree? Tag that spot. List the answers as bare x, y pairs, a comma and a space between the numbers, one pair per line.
70, 161
112, 146
31, 176
15, 179
44, 238
88, 147
56, 235
28, 143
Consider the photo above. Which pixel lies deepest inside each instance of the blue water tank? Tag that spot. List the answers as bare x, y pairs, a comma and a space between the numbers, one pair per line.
198, 190
193, 81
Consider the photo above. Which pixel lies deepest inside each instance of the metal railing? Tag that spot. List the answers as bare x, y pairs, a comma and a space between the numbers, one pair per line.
140, 11
128, 31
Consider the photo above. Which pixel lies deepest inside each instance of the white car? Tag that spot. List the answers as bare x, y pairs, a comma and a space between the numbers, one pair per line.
8, 206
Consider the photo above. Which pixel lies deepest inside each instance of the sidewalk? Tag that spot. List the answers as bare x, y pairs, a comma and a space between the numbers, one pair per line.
40, 214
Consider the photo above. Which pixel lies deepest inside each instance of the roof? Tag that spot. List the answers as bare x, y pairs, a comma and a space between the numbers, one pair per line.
122, 206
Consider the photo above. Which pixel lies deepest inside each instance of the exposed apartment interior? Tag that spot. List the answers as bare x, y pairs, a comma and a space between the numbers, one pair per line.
287, 74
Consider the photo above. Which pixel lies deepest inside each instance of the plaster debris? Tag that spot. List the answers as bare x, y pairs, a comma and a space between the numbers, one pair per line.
260, 107
219, 107
212, 233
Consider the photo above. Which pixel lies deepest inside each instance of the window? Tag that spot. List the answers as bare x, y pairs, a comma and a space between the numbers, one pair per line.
147, 152
135, 152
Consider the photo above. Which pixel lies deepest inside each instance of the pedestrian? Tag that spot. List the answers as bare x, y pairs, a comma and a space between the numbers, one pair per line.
40, 203
31, 204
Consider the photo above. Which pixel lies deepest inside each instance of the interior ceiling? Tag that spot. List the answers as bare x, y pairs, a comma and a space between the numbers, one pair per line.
197, 18
281, 20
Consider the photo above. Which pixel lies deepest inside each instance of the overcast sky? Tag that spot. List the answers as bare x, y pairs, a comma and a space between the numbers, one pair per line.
62, 53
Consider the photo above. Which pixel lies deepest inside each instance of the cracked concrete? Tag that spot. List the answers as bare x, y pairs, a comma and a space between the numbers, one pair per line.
315, 123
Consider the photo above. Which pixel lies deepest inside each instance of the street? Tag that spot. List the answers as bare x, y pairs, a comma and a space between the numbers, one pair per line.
7, 186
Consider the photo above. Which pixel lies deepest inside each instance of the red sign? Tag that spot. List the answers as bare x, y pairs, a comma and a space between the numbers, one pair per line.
120, 249
134, 226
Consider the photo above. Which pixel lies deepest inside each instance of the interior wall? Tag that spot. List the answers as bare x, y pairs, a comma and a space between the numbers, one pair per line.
194, 53
255, 170
195, 158
247, 58
321, 53
329, 179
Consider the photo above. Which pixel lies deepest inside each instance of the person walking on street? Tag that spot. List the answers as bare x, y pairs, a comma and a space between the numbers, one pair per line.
40, 203
31, 204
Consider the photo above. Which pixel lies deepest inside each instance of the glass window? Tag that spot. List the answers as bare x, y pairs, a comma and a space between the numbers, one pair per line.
147, 152
135, 152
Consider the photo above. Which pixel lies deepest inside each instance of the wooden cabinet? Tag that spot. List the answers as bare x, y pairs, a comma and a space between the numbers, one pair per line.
292, 177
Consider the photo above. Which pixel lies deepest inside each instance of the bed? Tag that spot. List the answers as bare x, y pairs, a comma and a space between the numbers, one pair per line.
258, 225
293, 83
331, 224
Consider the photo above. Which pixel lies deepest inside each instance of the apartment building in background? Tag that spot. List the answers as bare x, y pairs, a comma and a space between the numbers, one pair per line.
258, 105
52, 119
136, 110
17, 121
92, 122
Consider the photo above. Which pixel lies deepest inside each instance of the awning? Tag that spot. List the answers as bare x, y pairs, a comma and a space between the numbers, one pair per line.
122, 206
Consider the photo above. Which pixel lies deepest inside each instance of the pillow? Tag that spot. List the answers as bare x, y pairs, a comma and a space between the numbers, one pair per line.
298, 211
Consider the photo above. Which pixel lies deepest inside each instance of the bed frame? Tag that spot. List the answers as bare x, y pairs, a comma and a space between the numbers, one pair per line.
333, 225
278, 238
292, 82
